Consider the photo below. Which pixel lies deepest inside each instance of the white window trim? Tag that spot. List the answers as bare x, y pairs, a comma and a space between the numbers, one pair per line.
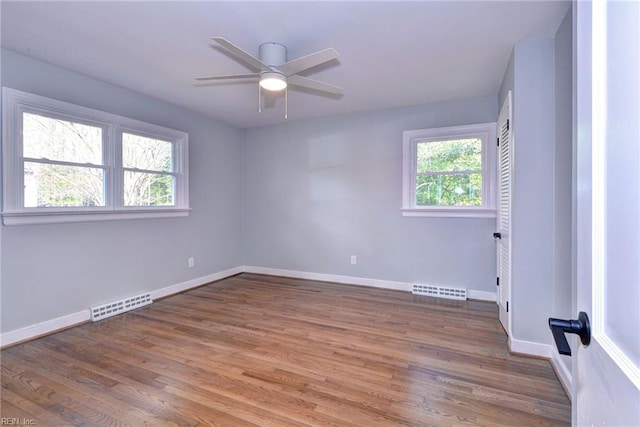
15, 102
410, 139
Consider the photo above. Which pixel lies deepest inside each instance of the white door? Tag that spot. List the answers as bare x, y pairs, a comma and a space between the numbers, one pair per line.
607, 373
505, 156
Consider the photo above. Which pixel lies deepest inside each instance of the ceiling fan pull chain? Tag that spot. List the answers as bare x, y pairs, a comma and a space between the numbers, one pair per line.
259, 100
286, 102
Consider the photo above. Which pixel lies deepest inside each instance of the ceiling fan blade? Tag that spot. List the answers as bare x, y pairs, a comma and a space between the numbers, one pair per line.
309, 61
307, 83
229, 77
241, 54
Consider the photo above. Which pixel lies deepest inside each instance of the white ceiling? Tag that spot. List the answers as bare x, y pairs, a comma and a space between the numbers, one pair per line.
392, 53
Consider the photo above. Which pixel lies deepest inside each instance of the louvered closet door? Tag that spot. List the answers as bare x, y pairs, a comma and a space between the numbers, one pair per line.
505, 153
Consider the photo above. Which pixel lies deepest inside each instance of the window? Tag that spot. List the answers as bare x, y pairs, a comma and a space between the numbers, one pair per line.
65, 163
148, 171
450, 171
62, 162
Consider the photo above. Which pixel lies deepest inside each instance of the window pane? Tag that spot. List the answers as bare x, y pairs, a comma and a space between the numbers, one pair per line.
449, 156
148, 189
146, 153
55, 139
449, 190
47, 185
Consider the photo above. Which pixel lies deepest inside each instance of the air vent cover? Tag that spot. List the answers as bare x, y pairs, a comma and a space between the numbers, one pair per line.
440, 291
107, 310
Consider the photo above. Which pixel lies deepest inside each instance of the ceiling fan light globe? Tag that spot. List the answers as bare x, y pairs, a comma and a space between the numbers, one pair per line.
273, 82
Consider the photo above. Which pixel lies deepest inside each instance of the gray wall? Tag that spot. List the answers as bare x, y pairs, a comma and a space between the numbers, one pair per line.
533, 196
319, 191
54, 270
539, 74
563, 61
306, 196
507, 84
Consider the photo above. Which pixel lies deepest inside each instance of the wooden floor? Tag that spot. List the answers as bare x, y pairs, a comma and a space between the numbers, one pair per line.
269, 351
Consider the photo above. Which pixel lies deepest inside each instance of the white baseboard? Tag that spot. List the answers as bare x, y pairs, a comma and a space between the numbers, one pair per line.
348, 280
351, 280
481, 295
530, 348
43, 328
49, 326
563, 372
194, 283
548, 352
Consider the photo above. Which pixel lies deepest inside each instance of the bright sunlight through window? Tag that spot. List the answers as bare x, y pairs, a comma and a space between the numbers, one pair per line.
449, 171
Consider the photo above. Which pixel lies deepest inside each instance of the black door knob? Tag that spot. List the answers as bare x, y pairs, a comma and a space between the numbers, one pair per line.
497, 235
580, 327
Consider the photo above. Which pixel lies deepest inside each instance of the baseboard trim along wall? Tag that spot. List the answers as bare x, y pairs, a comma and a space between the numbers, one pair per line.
194, 283
529, 348
515, 346
44, 328
347, 280
360, 281
74, 319
481, 295
563, 373
548, 352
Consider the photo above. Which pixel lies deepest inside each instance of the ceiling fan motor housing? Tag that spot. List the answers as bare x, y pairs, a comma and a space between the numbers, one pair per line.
273, 54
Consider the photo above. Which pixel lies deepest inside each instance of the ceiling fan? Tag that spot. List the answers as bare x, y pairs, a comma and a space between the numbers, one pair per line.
274, 72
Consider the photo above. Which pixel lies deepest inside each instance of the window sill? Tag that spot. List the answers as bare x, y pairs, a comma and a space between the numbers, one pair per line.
49, 217
450, 212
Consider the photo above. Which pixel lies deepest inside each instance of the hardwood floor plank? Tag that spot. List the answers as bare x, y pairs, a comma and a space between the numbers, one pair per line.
33, 411
256, 350
67, 379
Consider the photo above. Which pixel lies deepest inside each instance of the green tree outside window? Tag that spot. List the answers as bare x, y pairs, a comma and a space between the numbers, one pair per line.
449, 173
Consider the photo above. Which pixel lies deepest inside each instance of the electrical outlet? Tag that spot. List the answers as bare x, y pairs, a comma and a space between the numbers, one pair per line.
354, 260
191, 262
